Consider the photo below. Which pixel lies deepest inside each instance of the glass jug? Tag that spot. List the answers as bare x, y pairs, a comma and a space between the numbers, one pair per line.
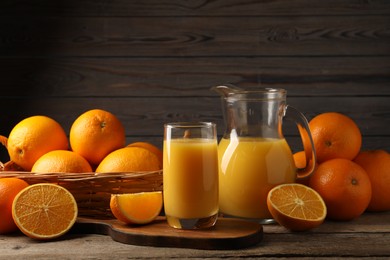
253, 154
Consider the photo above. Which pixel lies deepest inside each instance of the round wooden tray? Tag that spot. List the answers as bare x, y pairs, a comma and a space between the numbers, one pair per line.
228, 233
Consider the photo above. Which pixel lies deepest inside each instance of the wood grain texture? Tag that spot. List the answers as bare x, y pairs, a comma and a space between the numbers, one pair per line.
152, 62
365, 237
164, 8
157, 77
196, 36
226, 234
147, 115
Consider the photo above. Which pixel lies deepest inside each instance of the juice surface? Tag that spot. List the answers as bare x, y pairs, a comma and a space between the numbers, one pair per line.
190, 178
249, 169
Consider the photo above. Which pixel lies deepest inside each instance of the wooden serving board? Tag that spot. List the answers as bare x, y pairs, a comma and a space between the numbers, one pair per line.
228, 233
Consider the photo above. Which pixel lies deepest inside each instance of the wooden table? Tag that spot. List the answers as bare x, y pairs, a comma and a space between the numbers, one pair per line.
367, 236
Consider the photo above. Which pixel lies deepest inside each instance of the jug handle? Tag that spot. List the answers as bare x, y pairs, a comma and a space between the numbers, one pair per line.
293, 114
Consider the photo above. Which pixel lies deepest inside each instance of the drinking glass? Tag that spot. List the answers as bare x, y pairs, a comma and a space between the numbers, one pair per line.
190, 174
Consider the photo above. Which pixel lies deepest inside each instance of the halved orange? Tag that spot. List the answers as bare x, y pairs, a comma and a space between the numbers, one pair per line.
44, 211
136, 208
296, 206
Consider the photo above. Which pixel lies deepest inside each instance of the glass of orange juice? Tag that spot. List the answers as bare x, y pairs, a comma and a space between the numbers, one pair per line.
190, 174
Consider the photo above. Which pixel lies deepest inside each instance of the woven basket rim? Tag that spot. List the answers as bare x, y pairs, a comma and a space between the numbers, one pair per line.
77, 176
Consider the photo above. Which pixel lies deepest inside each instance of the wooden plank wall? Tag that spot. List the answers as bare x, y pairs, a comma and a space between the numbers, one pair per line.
151, 62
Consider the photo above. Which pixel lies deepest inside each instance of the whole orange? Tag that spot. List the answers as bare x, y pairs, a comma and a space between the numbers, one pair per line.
61, 161
335, 136
154, 149
344, 186
377, 165
33, 137
9, 188
129, 159
95, 134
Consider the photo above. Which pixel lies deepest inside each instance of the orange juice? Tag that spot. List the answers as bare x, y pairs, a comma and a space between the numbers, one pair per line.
190, 178
249, 168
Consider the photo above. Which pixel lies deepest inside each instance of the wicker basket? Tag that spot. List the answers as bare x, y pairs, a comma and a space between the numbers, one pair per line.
92, 191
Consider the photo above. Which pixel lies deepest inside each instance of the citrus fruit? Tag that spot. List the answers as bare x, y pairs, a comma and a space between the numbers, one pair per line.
335, 136
377, 165
96, 133
154, 149
61, 161
344, 186
44, 211
33, 137
9, 188
296, 206
129, 159
300, 163
136, 208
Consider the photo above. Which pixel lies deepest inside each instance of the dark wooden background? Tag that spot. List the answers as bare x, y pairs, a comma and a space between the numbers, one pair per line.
152, 62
